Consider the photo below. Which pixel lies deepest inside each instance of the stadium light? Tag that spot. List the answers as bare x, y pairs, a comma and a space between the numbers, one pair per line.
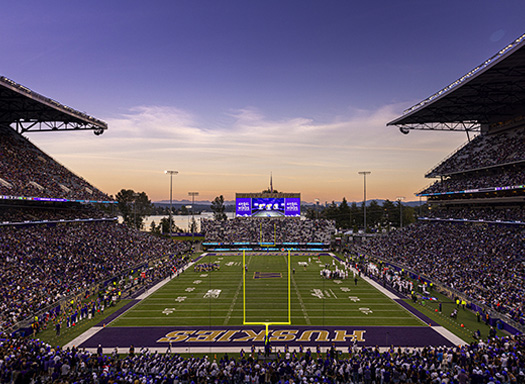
171, 173
193, 194
364, 173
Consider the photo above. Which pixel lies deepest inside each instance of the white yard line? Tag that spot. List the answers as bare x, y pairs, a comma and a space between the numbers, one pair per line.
439, 329
162, 283
93, 330
301, 303
228, 316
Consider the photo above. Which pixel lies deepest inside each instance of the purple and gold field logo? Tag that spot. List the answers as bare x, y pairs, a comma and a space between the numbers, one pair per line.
251, 336
245, 336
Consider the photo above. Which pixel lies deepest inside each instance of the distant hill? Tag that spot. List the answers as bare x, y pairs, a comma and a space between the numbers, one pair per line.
204, 205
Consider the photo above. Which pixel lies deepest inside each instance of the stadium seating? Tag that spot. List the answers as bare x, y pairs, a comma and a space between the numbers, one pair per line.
485, 262
249, 229
485, 151
483, 213
54, 261
505, 177
491, 361
26, 171
23, 213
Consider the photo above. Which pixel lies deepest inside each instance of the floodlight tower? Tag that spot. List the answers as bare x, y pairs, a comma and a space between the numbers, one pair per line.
193, 194
171, 173
364, 173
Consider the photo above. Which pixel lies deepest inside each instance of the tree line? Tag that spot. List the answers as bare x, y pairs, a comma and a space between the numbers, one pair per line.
135, 206
389, 214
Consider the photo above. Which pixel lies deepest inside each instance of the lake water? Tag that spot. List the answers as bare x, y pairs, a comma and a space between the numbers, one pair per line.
183, 222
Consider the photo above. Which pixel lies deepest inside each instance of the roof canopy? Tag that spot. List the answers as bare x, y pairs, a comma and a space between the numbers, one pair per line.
492, 93
30, 111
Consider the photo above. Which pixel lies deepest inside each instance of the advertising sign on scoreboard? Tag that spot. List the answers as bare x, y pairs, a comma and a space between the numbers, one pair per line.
268, 206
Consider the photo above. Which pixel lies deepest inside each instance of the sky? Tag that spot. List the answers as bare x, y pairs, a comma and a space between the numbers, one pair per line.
229, 92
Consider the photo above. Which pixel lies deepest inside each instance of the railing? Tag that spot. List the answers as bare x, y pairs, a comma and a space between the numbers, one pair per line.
451, 292
450, 155
26, 322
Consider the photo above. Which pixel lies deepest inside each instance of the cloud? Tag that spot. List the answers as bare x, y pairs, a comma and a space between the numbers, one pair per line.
144, 141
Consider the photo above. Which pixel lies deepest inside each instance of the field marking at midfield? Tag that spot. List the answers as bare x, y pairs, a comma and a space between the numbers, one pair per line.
301, 303
234, 301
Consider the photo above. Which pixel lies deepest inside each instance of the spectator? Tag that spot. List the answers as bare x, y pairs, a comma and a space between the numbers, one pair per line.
485, 262
25, 360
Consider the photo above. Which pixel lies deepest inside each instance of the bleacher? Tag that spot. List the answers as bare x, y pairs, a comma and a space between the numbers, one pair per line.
27, 172
251, 232
485, 151
56, 246
493, 179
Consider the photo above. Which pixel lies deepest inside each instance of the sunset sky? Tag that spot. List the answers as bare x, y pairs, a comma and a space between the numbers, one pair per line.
227, 92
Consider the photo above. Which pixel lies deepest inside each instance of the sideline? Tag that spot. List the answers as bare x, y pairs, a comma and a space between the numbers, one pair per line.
97, 328
456, 340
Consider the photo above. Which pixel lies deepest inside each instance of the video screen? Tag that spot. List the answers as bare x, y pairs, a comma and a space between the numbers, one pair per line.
268, 207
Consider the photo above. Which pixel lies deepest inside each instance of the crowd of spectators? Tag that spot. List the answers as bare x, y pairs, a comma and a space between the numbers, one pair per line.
27, 171
20, 214
506, 177
508, 214
485, 262
40, 264
493, 361
257, 229
485, 151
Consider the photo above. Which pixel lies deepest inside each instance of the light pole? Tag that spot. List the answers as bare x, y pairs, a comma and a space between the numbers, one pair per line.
364, 173
171, 173
193, 194
400, 199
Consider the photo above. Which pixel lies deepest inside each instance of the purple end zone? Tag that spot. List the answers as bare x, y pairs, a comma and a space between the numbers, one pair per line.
246, 336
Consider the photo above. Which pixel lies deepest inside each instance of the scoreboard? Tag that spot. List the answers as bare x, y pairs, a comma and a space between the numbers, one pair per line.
268, 205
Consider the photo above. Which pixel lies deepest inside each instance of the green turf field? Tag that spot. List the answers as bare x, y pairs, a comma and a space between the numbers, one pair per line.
216, 297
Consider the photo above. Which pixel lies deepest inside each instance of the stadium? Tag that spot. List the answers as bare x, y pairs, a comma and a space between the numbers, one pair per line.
440, 296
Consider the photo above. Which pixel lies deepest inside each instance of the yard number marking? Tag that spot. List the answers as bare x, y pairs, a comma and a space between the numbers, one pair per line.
213, 293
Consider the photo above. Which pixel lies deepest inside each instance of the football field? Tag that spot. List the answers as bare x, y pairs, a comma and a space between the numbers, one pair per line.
229, 301
270, 293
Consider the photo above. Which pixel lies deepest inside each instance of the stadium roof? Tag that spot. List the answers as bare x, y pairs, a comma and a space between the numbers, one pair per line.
491, 93
30, 111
